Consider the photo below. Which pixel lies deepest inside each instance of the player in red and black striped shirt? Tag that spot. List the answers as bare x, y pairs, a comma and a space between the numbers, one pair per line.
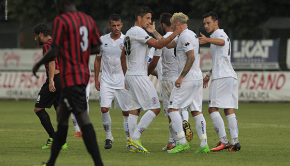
50, 91
75, 37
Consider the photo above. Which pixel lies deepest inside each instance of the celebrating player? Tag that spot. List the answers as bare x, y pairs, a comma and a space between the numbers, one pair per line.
169, 75
224, 88
142, 93
187, 91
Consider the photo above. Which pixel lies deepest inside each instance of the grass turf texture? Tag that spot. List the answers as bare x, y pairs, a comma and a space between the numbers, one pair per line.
263, 134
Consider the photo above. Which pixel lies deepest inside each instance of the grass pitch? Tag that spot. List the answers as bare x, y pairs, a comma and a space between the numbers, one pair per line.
264, 132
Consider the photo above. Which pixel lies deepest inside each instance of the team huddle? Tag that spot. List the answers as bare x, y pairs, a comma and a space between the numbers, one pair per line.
126, 64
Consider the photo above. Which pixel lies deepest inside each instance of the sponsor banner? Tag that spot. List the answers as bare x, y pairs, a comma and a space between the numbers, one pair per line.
264, 86
255, 54
23, 85
24, 59
253, 86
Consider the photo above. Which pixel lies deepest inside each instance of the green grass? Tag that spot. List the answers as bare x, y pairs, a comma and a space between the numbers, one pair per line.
264, 137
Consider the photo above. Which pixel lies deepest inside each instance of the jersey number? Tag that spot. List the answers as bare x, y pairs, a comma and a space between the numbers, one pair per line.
85, 41
127, 45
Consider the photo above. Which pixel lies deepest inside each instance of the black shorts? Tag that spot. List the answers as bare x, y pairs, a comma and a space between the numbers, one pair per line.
74, 99
46, 98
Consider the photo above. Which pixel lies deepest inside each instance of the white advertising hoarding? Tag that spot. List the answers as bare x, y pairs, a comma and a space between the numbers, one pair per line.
253, 86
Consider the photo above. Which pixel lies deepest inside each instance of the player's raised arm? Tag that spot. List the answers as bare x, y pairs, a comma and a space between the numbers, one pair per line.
203, 40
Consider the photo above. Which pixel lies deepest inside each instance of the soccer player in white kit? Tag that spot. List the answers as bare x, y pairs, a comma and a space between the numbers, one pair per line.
112, 85
224, 88
188, 87
169, 75
142, 93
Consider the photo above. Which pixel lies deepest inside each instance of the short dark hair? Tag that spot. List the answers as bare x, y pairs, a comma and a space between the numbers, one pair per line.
42, 28
213, 15
114, 17
142, 11
165, 18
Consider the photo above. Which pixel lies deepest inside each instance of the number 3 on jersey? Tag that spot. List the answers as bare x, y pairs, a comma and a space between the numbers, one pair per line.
85, 40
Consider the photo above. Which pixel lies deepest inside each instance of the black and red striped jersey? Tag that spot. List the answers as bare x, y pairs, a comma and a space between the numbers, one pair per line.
74, 33
46, 46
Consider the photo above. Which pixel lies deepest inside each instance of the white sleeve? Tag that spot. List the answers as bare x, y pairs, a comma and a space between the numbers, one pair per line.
186, 43
221, 35
142, 36
158, 52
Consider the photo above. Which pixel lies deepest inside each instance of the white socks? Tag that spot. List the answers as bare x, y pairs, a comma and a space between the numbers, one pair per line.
132, 123
184, 114
172, 134
126, 127
106, 120
75, 123
201, 129
145, 121
233, 127
177, 126
219, 126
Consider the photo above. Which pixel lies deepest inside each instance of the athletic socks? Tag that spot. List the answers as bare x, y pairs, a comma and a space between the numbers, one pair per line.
172, 134
75, 123
184, 114
89, 137
177, 126
106, 120
201, 129
233, 127
145, 121
58, 141
126, 127
219, 126
132, 123
45, 121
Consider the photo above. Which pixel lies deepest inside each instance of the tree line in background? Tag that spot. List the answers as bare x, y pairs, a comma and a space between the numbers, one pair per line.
241, 16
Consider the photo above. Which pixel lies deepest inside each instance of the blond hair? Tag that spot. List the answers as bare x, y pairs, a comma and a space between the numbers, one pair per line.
180, 17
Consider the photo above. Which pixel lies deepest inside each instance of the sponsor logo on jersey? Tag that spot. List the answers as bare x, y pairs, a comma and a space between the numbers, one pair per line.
121, 46
154, 100
106, 45
186, 44
146, 37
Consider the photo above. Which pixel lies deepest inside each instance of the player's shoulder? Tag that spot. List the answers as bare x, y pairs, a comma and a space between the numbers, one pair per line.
105, 36
219, 33
47, 43
187, 33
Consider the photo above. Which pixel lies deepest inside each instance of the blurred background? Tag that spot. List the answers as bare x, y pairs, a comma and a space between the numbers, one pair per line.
259, 31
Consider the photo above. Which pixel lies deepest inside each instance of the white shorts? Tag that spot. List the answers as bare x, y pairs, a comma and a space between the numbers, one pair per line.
120, 97
166, 88
142, 93
223, 93
188, 94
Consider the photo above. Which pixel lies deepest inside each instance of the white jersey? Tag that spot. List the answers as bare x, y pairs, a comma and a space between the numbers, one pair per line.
112, 73
137, 59
159, 64
221, 57
187, 41
169, 61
